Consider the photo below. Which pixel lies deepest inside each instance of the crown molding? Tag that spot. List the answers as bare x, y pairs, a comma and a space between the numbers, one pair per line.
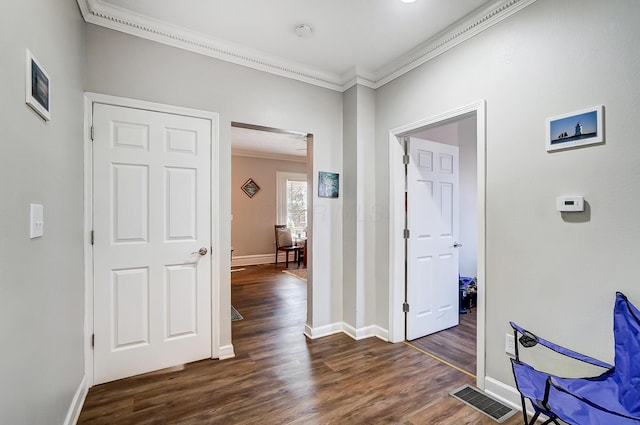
119, 19
465, 29
99, 13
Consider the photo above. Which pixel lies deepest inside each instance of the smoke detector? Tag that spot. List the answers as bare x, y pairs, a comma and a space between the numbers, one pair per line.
303, 31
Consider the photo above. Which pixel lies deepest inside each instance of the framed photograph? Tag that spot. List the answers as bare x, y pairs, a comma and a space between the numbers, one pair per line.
38, 87
328, 184
250, 188
578, 128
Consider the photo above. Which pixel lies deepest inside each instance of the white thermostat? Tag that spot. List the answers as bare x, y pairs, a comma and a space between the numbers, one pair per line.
570, 203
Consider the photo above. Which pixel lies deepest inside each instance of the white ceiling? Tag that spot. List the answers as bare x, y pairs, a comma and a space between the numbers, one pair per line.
367, 34
369, 42
263, 143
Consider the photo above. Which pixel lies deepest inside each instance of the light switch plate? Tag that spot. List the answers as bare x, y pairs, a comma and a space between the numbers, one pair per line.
37, 221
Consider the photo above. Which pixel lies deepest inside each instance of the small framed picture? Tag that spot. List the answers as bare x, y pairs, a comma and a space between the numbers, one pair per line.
250, 188
574, 129
38, 87
328, 184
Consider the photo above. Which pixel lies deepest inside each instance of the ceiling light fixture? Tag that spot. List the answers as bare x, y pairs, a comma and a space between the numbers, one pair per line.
303, 31
408, 1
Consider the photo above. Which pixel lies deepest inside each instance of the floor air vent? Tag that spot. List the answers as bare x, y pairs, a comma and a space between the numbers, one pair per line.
483, 403
235, 315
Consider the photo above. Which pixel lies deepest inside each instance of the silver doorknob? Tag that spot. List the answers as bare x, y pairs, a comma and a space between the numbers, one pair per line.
457, 245
201, 251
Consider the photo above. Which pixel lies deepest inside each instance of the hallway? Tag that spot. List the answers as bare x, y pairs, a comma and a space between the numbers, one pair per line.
280, 377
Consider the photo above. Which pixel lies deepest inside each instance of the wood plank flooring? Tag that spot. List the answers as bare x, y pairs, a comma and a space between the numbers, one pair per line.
456, 345
280, 377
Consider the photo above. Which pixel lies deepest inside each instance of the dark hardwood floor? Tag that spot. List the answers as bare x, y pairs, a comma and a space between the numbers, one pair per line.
280, 377
456, 346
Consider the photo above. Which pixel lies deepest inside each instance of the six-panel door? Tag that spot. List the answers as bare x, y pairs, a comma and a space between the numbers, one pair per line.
152, 214
432, 255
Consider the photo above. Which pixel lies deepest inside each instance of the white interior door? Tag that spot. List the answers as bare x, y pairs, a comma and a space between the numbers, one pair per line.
432, 257
151, 217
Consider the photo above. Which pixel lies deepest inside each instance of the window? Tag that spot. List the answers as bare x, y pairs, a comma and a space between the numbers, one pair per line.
292, 201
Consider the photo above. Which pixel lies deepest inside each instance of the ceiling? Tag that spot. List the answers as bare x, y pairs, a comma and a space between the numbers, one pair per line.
259, 142
368, 42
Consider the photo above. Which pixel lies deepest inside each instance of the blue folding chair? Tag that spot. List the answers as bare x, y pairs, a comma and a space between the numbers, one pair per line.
612, 398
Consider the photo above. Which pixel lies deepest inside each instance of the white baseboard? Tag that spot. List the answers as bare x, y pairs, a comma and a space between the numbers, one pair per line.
503, 392
226, 352
321, 331
366, 332
508, 395
254, 260
357, 334
73, 414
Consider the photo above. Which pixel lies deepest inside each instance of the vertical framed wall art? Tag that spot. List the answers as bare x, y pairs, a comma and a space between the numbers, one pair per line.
328, 184
38, 87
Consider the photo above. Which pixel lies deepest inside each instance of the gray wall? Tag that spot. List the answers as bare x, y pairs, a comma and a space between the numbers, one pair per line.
41, 280
555, 274
359, 299
127, 66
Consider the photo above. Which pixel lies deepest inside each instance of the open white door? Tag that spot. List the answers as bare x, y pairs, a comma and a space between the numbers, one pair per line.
432, 257
152, 262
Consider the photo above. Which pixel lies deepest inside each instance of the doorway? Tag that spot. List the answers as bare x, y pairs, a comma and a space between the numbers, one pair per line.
277, 163
432, 246
280, 163
397, 293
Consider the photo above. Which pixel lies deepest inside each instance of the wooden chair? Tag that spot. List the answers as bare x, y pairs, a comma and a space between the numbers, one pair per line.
285, 243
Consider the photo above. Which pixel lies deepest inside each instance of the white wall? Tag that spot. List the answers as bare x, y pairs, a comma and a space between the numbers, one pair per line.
553, 275
127, 66
41, 280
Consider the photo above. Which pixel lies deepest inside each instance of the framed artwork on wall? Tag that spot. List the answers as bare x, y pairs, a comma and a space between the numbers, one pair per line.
250, 188
328, 185
38, 87
584, 127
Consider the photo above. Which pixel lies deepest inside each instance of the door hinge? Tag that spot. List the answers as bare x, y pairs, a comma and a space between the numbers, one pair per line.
93, 340
405, 159
91, 133
405, 307
91, 237
406, 234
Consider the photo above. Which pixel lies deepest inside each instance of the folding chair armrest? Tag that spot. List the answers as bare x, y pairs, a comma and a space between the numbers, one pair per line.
533, 339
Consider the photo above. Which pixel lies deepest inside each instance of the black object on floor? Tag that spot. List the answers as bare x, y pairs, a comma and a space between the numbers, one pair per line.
483, 403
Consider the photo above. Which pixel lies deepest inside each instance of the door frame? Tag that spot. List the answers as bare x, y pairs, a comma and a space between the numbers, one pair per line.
397, 324
217, 252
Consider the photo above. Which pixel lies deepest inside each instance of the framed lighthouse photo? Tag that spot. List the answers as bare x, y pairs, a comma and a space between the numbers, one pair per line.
575, 129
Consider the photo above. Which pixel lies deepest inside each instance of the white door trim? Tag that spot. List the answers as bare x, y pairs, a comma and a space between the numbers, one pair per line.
396, 224
217, 251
